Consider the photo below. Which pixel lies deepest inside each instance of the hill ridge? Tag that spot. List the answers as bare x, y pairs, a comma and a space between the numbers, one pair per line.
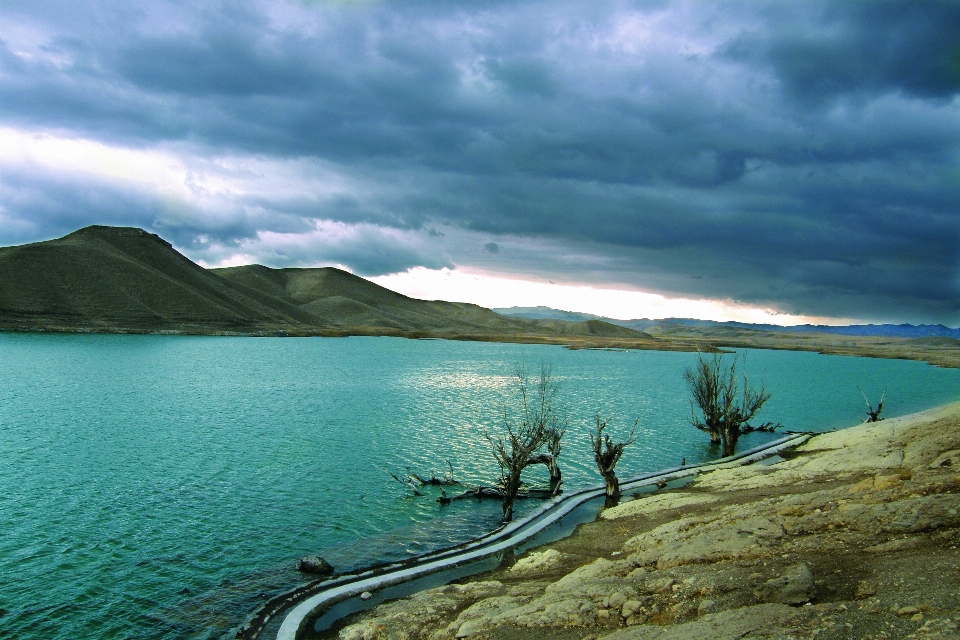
105, 278
903, 330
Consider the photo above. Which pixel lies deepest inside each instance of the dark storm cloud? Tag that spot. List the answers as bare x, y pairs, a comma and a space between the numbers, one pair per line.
824, 51
796, 154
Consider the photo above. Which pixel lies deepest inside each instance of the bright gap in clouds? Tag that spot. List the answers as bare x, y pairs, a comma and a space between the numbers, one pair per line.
215, 188
493, 291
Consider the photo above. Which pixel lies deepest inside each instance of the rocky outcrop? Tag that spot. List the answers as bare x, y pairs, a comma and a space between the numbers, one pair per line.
795, 586
857, 529
537, 562
729, 625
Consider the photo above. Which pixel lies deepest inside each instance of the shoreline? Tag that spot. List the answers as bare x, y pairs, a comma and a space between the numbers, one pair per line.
299, 605
825, 344
860, 523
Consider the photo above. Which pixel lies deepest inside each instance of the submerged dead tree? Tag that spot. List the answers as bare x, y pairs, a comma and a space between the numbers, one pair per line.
534, 424
873, 416
607, 454
724, 408
413, 481
549, 457
410, 481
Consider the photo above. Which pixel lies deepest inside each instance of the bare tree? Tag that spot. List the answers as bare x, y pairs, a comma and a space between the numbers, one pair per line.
723, 408
607, 455
527, 430
873, 416
549, 457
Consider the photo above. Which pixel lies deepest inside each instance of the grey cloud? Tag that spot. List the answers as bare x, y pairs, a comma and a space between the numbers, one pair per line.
491, 247
49, 207
799, 155
373, 257
46, 207
823, 50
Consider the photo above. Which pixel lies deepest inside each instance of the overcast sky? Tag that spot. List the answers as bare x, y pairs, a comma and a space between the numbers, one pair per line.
801, 158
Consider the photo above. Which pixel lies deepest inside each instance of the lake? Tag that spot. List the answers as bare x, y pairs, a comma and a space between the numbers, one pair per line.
163, 486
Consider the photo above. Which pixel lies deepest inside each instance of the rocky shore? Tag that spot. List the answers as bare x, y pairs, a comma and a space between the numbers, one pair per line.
855, 534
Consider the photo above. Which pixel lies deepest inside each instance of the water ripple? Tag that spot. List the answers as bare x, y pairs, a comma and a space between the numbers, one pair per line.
161, 487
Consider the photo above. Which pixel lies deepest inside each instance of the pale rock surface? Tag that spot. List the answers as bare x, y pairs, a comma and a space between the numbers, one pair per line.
727, 625
700, 540
537, 562
795, 586
590, 577
654, 503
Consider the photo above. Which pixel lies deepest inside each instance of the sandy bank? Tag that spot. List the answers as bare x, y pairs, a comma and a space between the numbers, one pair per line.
854, 535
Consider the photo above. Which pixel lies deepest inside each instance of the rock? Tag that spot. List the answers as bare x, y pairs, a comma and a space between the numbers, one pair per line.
366, 595
657, 502
947, 459
755, 621
314, 564
468, 628
617, 599
576, 580
665, 585
630, 607
548, 611
886, 482
863, 485
899, 544
537, 561
795, 586
907, 611
865, 589
706, 606
706, 539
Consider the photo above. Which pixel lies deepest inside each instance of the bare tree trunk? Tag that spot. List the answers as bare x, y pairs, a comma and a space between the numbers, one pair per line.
613, 484
606, 454
715, 438
510, 489
555, 478
550, 462
729, 443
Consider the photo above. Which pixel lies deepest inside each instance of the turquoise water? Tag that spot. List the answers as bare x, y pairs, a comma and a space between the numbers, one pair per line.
161, 487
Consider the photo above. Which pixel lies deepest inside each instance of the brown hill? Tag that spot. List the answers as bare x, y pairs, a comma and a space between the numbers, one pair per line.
335, 298
125, 279
597, 328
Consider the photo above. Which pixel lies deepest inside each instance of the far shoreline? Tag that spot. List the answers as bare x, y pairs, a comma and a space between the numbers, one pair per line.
858, 346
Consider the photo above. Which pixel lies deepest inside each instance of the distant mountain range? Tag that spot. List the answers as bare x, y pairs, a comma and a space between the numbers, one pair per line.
127, 280
655, 326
